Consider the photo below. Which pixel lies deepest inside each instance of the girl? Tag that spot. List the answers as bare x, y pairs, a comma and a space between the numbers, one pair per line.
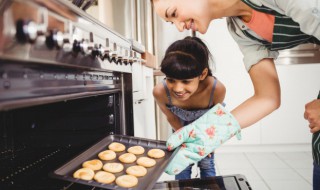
188, 91
261, 28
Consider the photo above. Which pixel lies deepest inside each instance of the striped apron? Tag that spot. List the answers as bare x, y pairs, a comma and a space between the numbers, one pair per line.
287, 34
316, 145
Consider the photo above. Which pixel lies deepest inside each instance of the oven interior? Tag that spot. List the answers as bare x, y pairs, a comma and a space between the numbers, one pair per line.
38, 139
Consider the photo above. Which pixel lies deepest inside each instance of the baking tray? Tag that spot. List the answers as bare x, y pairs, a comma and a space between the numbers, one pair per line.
146, 182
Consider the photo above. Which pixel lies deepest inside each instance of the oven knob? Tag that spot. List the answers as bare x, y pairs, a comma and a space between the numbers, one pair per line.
54, 39
86, 47
126, 57
76, 47
26, 31
106, 55
67, 46
96, 51
130, 59
114, 54
120, 57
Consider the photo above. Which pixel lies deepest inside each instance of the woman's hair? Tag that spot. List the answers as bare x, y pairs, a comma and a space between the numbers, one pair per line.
186, 59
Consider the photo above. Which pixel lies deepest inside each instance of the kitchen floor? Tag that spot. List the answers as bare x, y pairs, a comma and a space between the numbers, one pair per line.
279, 170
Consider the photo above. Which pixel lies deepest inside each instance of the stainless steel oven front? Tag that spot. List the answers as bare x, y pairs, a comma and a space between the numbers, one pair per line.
65, 83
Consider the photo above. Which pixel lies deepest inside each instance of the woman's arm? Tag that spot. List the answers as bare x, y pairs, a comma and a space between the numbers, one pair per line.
266, 96
160, 98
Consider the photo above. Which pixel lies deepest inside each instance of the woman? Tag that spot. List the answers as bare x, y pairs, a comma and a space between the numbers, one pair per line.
260, 27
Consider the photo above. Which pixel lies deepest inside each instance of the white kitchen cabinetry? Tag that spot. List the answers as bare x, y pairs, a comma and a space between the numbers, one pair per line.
299, 84
143, 103
137, 81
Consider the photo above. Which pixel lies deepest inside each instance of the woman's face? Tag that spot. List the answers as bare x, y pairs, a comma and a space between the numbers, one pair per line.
185, 14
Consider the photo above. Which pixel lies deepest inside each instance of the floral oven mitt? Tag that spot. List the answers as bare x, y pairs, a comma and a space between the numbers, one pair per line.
201, 137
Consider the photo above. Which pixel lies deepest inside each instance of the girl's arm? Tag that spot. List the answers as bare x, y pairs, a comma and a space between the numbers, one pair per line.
266, 96
160, 98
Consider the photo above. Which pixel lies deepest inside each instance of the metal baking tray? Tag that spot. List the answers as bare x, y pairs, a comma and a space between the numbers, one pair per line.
146, 182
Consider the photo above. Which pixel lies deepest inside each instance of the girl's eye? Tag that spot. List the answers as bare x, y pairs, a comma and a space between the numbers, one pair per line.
186, 82
170, 80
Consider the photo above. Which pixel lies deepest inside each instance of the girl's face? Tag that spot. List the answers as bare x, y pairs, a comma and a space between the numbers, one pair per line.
182, 89
185, 14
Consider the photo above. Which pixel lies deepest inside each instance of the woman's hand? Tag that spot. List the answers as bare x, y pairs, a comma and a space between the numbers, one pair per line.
312, 114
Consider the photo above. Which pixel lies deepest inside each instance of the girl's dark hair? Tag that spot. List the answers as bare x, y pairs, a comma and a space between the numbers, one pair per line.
186, 59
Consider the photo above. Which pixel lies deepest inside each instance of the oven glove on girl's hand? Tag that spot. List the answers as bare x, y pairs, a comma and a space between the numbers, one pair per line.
201, 138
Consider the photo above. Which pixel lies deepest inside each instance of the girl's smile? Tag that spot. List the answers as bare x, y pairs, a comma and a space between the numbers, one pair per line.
183, 89
180, 95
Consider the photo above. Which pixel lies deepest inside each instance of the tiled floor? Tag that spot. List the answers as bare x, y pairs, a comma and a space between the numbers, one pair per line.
266, 170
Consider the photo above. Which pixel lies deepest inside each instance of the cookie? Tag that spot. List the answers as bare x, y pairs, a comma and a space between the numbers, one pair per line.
113, 167
127, 158
146, 162
117, 147
104, 177
107, 155
137, 171
84, 174
156, 153
137, 150
127, 181
93, 164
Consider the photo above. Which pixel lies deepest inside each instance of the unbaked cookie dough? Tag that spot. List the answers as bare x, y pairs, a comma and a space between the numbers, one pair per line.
113, 167
84, 174
127, 158
104, 177
93, 164
146, 162
137, 150
137, 171
117, 147
156, 153
107, 155
127, 181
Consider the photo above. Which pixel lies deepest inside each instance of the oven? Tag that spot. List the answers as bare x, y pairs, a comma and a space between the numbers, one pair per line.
65, 84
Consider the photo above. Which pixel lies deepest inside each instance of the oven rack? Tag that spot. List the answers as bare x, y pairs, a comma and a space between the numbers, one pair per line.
30, 168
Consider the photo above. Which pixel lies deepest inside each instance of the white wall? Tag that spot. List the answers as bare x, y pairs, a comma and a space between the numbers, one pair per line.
300, 84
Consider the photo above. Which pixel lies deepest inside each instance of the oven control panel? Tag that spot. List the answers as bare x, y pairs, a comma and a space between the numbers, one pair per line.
57, 32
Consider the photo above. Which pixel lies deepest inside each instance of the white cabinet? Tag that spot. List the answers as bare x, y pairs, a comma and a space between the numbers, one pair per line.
137, 81
143, 104
299, 84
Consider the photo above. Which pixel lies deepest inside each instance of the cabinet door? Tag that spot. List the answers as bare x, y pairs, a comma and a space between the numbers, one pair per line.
144, 108
299, 85
137, 81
